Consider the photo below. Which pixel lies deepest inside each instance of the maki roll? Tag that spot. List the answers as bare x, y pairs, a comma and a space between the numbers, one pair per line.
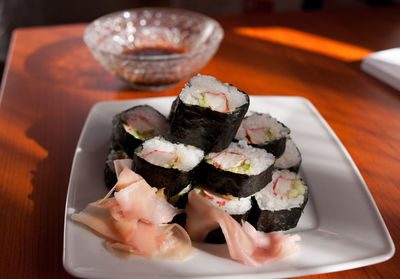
172, 110
133, 126
238, 208
240, 170
263, 131
110, 177
279, 205
207, 113
291, 158
164, 164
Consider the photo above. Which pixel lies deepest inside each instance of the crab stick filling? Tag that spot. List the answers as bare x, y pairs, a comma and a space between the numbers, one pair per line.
230, 204
228, 160
160, 152
161, 158
241, 158
285, 191
214, 101
139, 126
208, 92
259, 128
260, 135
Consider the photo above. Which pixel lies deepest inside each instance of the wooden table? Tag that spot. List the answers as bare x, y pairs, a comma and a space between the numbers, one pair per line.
51, 81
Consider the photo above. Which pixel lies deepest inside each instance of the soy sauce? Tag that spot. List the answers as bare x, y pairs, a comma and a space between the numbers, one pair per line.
149, 51
144, 80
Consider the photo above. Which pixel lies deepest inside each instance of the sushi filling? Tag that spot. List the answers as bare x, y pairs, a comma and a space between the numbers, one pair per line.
260, 128
290, 158
163, 153
241, 158
184, 191
229, 204
285, 191
143, 123
115, 155
208, 92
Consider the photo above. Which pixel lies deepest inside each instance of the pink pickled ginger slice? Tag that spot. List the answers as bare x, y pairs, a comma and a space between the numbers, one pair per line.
245, 243
135, 220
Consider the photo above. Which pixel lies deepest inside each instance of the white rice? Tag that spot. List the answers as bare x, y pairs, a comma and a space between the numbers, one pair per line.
290, 158
190, 94
268, 201
258, 158
257, 120
233, 206
188, 155
160, 123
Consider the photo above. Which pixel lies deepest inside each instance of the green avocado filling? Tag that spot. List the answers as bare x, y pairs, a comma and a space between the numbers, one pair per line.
298, 189
175, 199
197, 189
139, 135
202, 100
243, 169
270, 135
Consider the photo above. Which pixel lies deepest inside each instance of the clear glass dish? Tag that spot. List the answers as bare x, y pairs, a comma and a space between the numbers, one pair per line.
153, 49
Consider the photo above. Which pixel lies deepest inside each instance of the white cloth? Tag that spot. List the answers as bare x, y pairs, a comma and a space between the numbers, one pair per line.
384, 65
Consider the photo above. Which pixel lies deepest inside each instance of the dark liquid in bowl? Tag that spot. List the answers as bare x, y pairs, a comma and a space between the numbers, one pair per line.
153, 79
149, 51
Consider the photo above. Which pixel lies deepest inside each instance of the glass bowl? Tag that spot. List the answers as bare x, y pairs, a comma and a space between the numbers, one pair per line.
153, 49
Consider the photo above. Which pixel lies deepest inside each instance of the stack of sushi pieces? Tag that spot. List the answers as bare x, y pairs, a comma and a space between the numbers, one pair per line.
231, 177
131, 128
247, 166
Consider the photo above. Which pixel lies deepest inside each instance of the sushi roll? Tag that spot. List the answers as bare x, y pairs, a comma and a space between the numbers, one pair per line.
207, 113
264, 131
279, 205
135, 125
172, 110
238, 208
110, 177
240, 170
164, 164
291, 158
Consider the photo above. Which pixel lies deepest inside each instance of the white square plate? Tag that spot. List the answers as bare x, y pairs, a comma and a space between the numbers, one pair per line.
341, 227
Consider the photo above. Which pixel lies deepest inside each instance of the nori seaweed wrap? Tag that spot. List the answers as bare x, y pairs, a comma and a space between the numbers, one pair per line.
279, 220
240, 170
278, 207
207, 113
216, 236
263, 131
134, 125
110, 177
166, 165
172, 110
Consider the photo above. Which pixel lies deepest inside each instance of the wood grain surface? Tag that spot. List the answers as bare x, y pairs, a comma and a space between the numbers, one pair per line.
51, 81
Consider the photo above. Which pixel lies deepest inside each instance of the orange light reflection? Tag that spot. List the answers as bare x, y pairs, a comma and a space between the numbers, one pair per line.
306, 41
